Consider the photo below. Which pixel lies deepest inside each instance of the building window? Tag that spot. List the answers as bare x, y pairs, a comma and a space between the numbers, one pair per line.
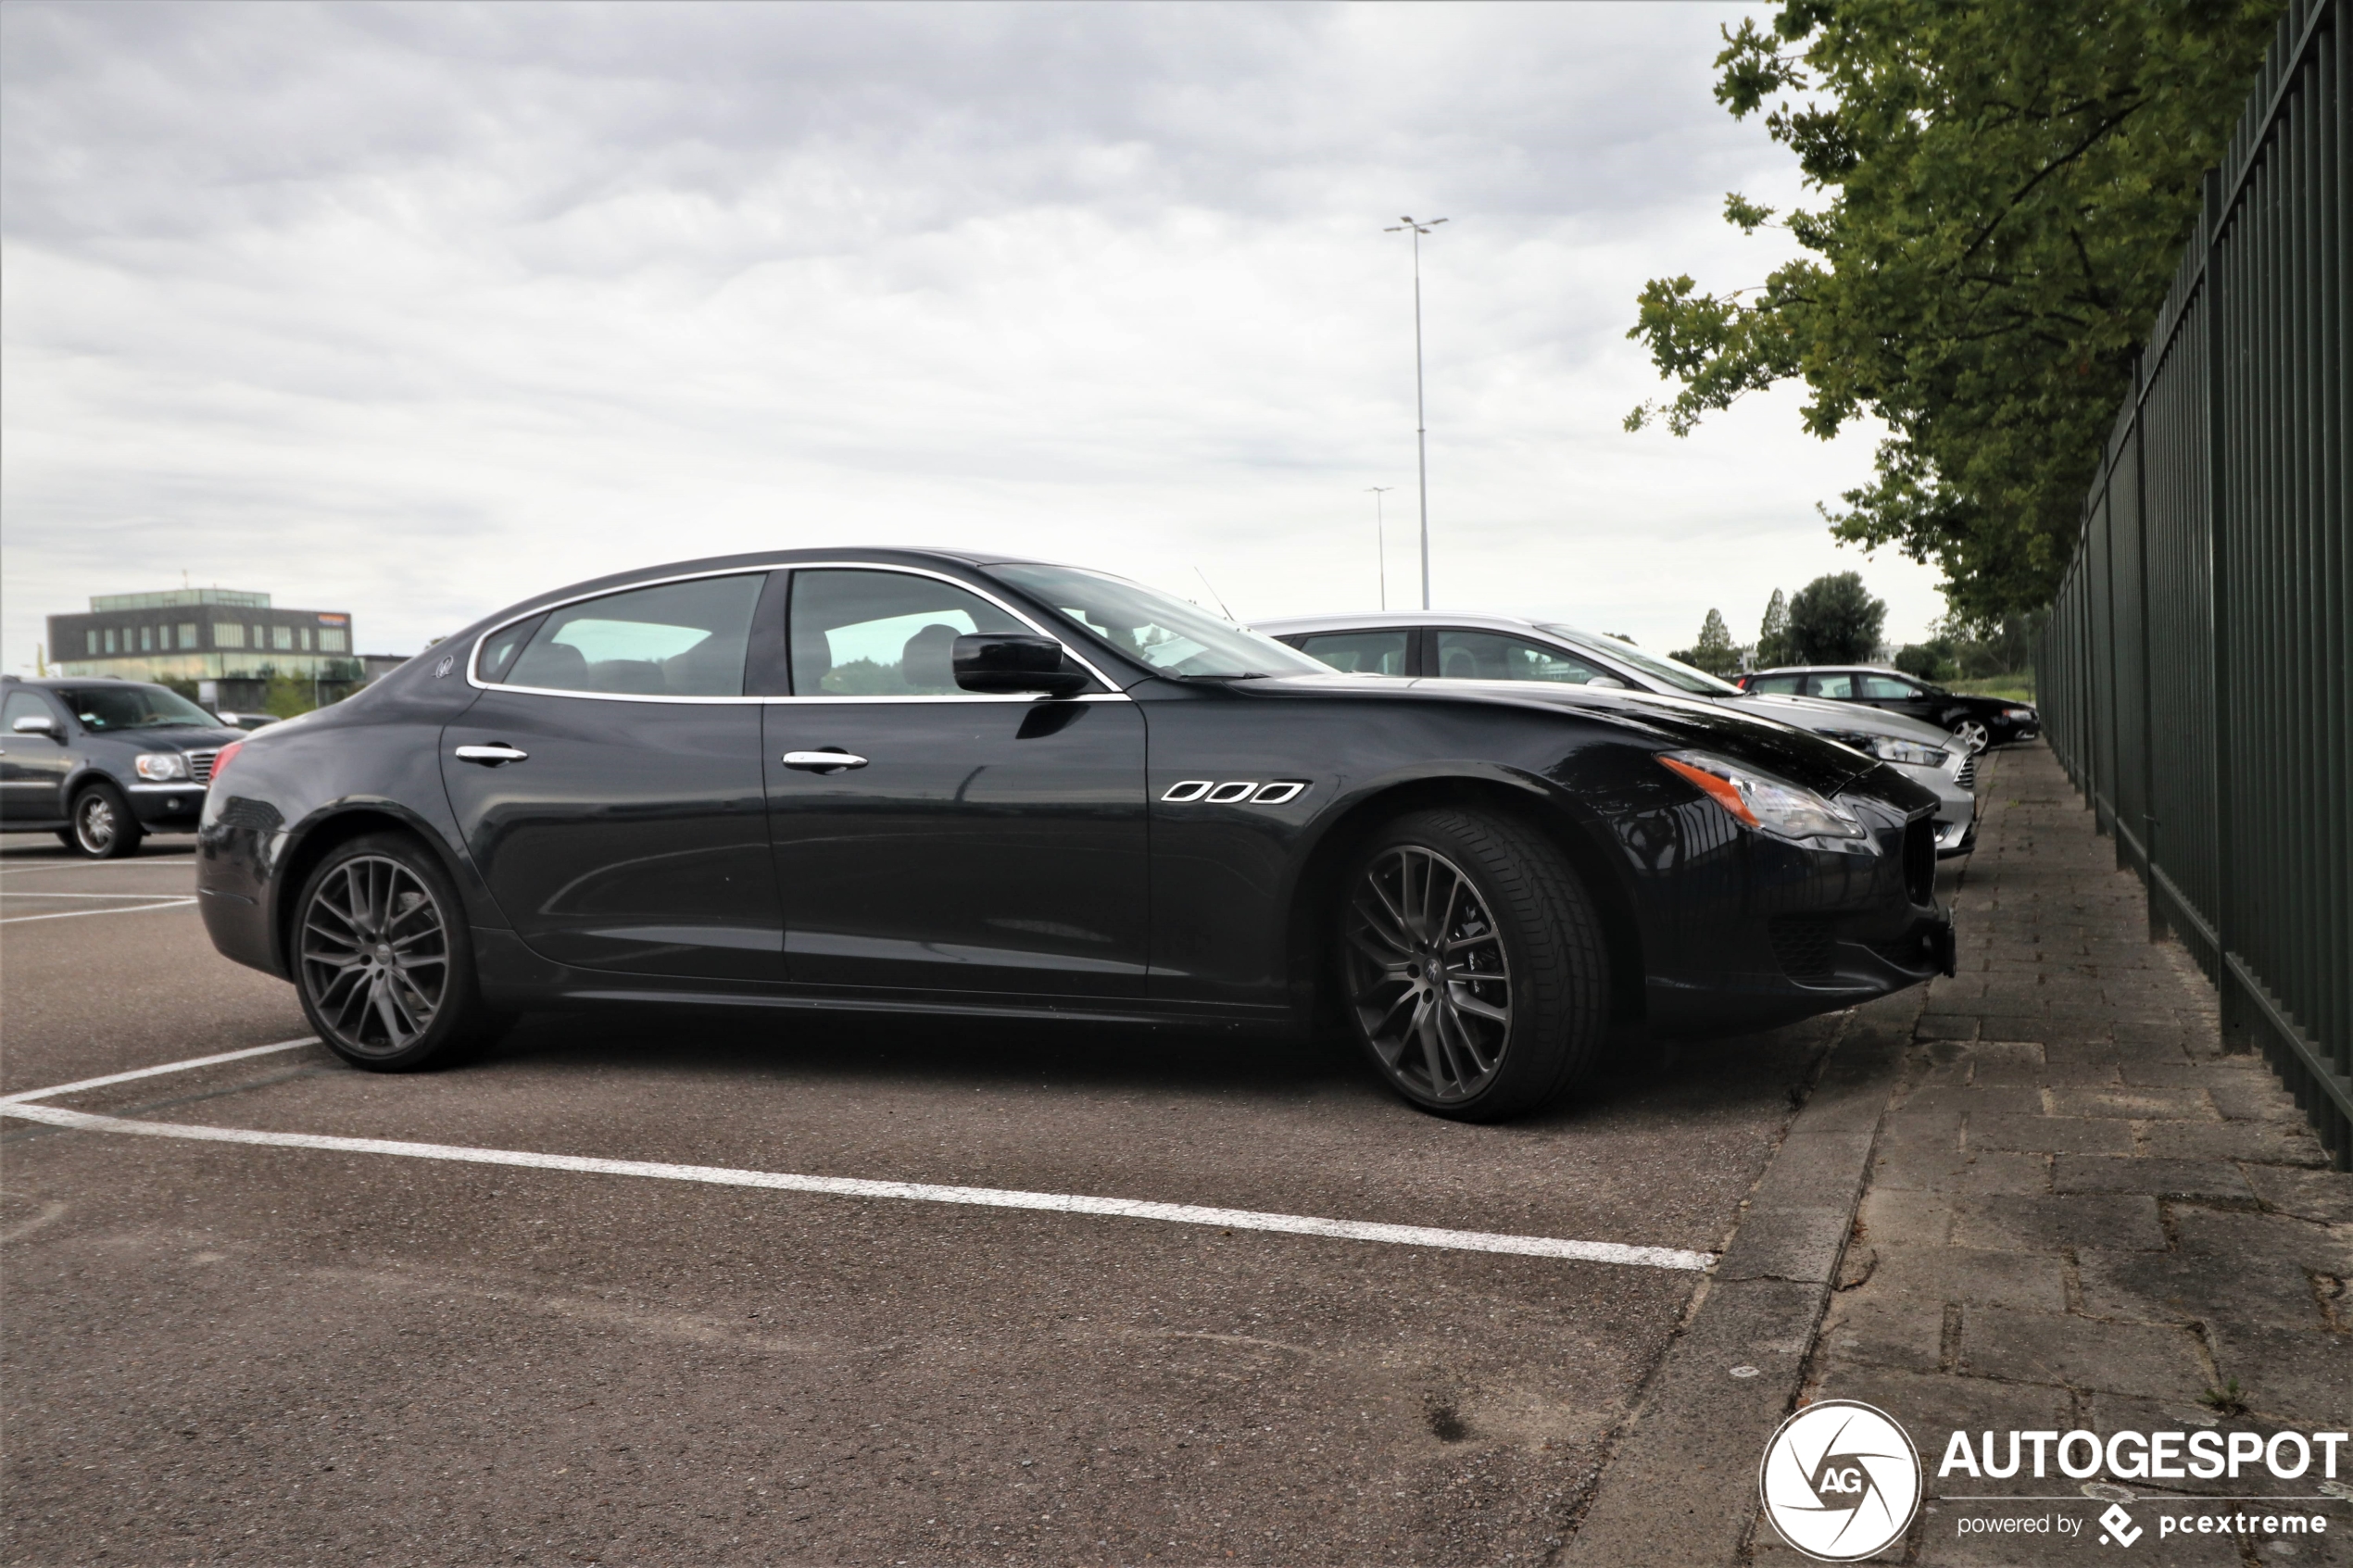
282, 636
93, 635
330, 641
261, 638
228, 635
146, 639
187, 635
110, 639
306, 639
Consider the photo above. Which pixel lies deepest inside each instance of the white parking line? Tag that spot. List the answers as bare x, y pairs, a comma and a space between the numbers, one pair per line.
188, 1065
5, 894
135, 865
163, 903
843, 1186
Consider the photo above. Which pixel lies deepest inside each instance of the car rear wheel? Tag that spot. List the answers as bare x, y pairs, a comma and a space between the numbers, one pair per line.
1972, 733
102, 828
383, 959
1472, 964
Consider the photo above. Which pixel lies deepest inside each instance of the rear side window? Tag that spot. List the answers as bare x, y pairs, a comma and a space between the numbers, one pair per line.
1777, 686
1359, 653
1886, 688
882, 634
1841, 686
1485, 655
679, 639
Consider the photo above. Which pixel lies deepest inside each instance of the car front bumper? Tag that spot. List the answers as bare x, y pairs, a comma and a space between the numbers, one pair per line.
167, 808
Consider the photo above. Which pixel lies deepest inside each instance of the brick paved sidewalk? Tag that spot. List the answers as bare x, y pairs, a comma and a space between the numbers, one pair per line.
2081, 1213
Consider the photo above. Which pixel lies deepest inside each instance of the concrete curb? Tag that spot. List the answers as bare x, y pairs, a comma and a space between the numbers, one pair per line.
1680, 1488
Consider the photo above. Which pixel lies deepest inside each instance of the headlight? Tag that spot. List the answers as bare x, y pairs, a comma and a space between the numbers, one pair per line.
1887, 749
1768, 804
2017, 713
161, 767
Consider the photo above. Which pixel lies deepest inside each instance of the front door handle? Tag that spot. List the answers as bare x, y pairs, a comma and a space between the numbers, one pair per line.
829, 761
491, 756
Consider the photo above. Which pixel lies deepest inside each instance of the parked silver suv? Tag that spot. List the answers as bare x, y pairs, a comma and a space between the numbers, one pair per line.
1427, 644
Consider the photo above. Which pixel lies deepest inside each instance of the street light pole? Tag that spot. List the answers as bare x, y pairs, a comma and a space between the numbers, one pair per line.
1421, 423
1380, 540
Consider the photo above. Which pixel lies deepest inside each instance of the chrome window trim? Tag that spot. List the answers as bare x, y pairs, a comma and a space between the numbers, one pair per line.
473, 656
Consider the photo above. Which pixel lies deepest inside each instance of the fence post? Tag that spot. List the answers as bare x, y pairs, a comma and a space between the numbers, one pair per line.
2234, 1018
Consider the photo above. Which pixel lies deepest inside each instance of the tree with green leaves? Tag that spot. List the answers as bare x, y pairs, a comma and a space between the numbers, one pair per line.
2007, 185
1834, 620
1772, 637
1715, 652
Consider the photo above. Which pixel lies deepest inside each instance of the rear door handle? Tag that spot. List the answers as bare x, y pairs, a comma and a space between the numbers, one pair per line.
823, 762
491, 756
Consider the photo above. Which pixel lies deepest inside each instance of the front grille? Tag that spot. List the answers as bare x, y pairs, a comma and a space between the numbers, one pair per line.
1803, 944
200, 765
1920, 860
1966, 777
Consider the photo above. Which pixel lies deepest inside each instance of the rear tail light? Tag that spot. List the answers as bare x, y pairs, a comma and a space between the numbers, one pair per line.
220, 763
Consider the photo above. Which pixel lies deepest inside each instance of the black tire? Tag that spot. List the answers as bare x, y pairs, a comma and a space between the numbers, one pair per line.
1527, 943
383, 958
103, 826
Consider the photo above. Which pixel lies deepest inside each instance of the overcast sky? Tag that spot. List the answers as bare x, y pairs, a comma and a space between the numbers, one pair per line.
412, 310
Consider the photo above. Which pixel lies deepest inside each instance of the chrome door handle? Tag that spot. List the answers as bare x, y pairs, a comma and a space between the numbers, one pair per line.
490, 756
823, 762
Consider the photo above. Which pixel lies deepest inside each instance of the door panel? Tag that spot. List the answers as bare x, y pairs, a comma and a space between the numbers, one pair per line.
633, 837
983, 846
32, 766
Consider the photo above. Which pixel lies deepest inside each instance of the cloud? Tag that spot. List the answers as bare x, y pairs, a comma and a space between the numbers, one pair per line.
414, 310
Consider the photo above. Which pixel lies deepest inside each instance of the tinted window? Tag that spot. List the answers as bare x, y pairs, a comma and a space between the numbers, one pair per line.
681, 639
22, 704
882, 634
1829, 685
1485, 655
1883, 688
1777, 686
499, 649
108, 709
1359, 653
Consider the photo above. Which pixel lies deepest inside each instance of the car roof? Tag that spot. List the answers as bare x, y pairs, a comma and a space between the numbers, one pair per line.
1834, 670
1379, 619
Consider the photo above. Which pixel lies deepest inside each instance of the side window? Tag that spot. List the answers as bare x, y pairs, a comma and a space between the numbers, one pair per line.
1841, 687
1359, 653
22, 705
499, 649
882, 634
680, 639
1886, 688
1485, 655
1777, 686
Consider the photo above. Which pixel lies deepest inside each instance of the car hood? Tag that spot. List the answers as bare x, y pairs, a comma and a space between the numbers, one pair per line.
1852, 717
1670, 723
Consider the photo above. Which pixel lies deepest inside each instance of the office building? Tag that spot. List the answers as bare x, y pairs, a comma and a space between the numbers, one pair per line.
226, 643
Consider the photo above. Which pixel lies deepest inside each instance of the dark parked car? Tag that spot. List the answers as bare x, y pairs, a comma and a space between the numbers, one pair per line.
103, 762
914, 781
1977, 721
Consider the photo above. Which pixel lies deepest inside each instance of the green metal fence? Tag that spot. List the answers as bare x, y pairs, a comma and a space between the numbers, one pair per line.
2194, 676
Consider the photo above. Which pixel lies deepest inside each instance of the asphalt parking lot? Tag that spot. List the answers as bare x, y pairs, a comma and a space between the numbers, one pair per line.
253, 1352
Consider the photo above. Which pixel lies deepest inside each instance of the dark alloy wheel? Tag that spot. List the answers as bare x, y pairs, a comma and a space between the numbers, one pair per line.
380, 958
1472, 963
103, 828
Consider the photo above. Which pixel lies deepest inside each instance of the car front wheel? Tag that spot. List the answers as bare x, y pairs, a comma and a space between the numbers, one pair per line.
383, 959
1973, 734
103, 828
1472, 963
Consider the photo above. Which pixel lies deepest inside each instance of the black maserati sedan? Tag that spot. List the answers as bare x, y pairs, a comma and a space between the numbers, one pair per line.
1976, 722
103, 763
917, 780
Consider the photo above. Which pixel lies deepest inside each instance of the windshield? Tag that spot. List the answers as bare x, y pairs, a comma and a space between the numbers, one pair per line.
133, 707
1158, 629
1676, 673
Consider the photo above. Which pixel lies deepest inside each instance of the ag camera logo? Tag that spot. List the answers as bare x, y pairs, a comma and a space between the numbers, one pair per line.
1840, 1480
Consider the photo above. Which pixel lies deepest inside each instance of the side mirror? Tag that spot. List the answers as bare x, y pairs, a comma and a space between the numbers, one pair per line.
1006, 663
36, 725
1608, 684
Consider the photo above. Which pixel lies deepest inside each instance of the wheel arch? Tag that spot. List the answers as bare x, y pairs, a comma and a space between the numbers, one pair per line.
326, 832
1318, 882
